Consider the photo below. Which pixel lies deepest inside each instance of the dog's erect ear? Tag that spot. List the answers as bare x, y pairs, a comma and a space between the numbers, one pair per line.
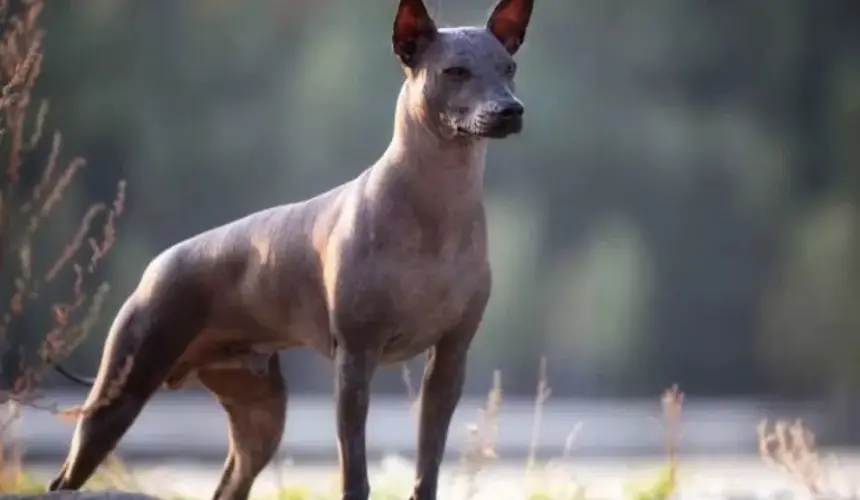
509, 21
414, 29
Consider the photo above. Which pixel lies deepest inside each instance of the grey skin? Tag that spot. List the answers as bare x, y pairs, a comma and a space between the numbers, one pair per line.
375, 271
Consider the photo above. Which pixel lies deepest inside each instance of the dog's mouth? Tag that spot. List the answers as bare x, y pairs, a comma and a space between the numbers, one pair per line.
491, 129
498, 127
503, 128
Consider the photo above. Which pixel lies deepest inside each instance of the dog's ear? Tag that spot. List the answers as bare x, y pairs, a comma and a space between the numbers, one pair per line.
509, 21
414, 30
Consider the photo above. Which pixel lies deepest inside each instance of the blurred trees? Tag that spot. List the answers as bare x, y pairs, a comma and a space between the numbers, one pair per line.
682, 206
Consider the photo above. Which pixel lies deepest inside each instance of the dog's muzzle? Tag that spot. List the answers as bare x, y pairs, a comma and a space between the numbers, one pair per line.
502, 123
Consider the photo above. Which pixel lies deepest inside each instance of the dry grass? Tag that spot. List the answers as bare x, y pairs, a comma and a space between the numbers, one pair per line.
673, 405
480, 450
541, 396
31, 192
791, 448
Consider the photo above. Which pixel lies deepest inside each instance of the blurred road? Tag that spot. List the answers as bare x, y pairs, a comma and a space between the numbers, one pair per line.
191, 425
177, 446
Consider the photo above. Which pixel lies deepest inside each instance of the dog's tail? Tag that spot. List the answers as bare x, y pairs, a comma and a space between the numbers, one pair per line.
85, 381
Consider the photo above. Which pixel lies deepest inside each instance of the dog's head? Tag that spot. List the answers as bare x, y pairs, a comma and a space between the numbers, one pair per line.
461, 80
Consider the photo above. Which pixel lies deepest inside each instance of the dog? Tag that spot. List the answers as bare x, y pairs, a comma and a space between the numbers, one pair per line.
375, 271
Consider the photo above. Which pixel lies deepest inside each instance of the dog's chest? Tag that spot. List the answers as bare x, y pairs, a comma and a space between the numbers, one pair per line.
408, 296
434, 288
428, 296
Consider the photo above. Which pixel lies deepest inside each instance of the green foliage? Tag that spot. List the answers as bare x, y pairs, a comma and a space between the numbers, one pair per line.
296, 493
20, 482
661, 488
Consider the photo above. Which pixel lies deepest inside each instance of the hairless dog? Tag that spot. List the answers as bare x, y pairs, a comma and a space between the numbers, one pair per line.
375, 271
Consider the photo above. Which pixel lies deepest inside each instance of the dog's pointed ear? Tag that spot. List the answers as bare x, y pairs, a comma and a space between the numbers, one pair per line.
414, 30
509, 21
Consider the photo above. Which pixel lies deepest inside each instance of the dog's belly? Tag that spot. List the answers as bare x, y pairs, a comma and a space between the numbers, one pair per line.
403, 345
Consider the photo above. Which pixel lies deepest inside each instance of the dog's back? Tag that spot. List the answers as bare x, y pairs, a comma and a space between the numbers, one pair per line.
262, 275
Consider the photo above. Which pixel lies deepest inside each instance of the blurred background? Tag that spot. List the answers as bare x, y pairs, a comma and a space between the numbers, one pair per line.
683, 205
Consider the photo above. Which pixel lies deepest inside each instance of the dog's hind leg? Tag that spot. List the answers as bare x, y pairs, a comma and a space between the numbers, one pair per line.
144, 342
256, 406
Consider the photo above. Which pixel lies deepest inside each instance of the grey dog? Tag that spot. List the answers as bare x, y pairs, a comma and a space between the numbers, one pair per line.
375, 271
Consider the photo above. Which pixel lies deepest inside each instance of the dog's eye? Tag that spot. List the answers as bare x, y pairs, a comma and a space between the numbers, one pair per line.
458, 72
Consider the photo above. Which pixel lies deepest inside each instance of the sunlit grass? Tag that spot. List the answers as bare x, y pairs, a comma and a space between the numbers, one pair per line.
789, 448
544, 480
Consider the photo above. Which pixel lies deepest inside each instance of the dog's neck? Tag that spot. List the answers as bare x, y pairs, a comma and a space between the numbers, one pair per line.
447, 171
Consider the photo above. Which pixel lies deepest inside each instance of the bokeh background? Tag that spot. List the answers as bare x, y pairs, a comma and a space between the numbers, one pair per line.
682, 206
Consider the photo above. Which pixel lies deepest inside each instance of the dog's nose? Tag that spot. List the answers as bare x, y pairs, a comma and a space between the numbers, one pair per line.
512, 110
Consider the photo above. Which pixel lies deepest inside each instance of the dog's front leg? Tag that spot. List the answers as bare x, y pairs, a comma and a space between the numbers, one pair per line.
440, 393
353, 372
